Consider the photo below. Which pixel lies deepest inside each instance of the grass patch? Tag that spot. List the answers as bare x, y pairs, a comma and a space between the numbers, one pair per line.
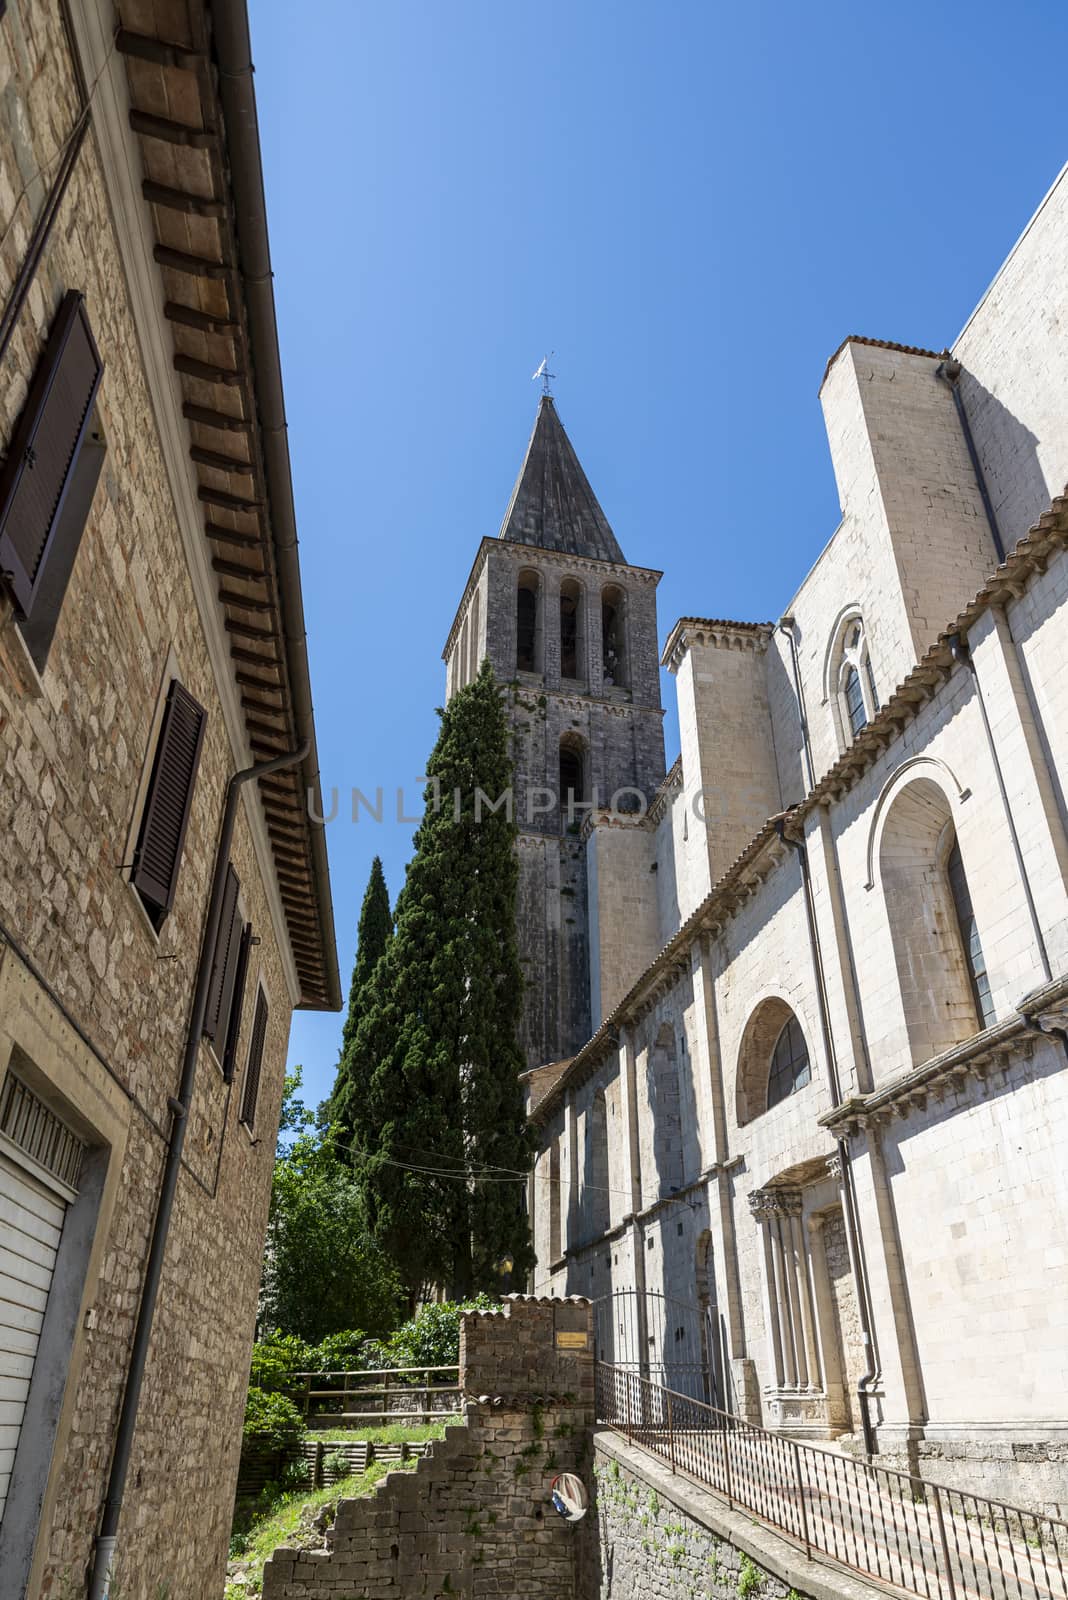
392, 1433
278, 1524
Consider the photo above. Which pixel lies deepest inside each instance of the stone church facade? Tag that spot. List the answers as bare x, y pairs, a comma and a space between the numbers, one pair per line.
151, 649
812, 1143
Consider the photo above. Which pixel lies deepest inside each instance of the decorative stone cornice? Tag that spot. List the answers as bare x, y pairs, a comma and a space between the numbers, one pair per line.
719, 634
944, 1074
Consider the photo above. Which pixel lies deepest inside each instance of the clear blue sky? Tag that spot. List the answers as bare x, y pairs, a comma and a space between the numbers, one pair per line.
692, 203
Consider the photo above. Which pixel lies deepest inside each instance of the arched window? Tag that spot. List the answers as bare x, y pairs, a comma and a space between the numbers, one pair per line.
476, 654
571, 662
597, 1185
614, 662
526, 623
572, 789
941, 969
974, 959
790, 1069
773, 1059
465, 645
851, 679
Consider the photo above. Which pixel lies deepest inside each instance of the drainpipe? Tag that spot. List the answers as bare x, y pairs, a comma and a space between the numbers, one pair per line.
960, 651
949, 372
788, 625
851, 1214
104, 1559
42, 228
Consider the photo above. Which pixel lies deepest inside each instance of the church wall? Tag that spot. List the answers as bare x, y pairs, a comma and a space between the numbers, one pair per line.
1014, 354
728, 754
672, 828
623, 911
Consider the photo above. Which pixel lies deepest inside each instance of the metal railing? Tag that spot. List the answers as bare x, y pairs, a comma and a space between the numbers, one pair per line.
919, 1538
393, 1393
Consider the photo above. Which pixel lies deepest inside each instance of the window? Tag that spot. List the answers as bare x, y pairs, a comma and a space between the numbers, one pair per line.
50, 475
613, 637
572, 791
851, 680
251, 1093
773, 1059
974, 959
158, 854
570, 604
526, 620
856, 710
790, 1069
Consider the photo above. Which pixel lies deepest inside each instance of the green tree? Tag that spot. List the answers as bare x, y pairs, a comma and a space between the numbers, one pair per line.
322, 1271
373, 933
442, 1125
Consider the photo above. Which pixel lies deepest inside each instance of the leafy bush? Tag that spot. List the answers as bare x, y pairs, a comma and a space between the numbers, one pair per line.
271, 1420
276, 1359
336, 1463
432, 1337
344, 1352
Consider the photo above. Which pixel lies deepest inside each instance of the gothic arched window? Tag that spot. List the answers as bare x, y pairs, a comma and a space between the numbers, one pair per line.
790, 1069
851, 684
526, 623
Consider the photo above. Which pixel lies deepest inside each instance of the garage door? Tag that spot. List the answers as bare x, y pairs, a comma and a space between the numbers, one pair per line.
33, 1203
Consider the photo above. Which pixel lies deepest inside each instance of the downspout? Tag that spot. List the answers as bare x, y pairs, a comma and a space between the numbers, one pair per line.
960, 651
851, 1212
42, 228
179, 1107
949, 371
787, 625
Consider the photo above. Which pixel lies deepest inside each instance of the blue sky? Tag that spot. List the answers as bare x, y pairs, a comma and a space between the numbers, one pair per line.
692, 203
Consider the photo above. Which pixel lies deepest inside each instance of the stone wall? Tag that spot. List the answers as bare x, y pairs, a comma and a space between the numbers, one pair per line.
74, 743
476, 1518
656, 1536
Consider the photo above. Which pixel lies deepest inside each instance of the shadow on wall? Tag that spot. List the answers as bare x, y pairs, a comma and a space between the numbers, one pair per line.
1008, 452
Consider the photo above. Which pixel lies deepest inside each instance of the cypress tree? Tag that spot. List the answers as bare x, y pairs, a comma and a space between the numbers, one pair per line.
440, 1026
373, 933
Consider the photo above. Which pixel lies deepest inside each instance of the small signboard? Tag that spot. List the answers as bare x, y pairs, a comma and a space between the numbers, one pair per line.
571, 1341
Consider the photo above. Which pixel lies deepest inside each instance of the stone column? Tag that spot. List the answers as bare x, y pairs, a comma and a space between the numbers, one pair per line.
630, 1167
762, 1207
573, 1221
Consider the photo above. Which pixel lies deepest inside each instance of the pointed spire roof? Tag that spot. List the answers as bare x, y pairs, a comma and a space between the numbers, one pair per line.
552, 504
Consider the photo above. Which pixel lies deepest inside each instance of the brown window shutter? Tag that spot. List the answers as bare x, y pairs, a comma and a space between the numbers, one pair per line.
255, 1062
224, 962
233, 1032
44, 449
170, 796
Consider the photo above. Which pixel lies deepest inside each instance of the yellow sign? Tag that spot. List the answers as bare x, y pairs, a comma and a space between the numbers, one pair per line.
571, 1341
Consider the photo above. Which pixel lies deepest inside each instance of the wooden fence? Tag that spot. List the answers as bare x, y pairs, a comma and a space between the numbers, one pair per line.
325, 1461
341, 1399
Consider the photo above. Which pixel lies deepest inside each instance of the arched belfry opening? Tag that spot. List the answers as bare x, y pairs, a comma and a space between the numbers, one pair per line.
527, 607
572, 663
571, 791
614, 663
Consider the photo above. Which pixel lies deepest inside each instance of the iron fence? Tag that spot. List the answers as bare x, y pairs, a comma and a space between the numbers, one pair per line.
917, 1537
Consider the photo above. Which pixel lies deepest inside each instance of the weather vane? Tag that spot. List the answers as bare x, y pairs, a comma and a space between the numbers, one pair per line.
544, 374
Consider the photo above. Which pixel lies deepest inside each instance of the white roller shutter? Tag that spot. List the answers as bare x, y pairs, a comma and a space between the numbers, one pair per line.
31, 1221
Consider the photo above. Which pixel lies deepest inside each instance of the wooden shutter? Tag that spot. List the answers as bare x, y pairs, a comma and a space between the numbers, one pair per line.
44, 449
170, 795
255, 1061
224, 963
233, 1032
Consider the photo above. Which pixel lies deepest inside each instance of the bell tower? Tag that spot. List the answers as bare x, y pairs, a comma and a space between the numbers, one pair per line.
570, 629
